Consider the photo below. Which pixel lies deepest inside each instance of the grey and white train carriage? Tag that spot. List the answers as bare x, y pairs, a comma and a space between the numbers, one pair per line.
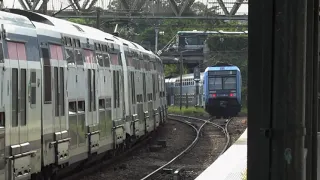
69, 91
188, 90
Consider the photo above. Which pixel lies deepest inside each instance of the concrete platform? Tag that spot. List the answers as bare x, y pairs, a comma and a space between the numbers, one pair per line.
231, 165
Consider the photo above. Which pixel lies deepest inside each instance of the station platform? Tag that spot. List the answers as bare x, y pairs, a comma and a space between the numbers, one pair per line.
231, 165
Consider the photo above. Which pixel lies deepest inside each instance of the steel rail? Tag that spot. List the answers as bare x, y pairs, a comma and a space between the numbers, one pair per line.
198, 130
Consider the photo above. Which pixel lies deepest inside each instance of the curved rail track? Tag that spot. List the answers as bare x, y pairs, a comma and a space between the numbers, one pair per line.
174, 117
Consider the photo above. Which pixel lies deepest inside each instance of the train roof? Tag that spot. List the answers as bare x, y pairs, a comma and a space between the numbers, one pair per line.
212, 32
15, 19
184, 76
222, 68
64, 26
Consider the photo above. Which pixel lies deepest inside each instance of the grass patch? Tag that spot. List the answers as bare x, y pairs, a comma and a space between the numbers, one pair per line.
187, 111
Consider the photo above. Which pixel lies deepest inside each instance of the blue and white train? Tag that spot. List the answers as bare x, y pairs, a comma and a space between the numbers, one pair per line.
70, 93
222, 90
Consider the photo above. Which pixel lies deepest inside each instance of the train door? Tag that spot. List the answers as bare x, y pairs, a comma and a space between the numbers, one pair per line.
19, 130
58, 90
17, 55
92, 84
122, 93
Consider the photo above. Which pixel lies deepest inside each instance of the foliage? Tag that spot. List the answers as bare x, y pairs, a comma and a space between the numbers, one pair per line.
83, 21
228, 42
187, 111
174, 70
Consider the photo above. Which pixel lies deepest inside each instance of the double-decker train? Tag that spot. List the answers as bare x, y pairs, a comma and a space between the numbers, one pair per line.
69, 93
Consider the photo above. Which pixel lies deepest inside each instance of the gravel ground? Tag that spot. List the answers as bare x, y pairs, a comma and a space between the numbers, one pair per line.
178, 136
141, 162
207, 150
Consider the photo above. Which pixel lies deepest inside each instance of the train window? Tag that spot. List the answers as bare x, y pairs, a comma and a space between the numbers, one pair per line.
2, 119
99, 47
33, 85
119, 59
23, 97
89, 58
133, 88
106, 59
73, 107
118, 89
114, 89
100, 59
78, 55
62, 99
1, 53
21, 49
53, 52
69, 42
144, 87
75, 43
56, 52
102, 104
47, 76
108, 102
14, 96
154, 86
56, 92
95, 46
114, 59
12, 50
81, 106
70, 56
94, 90
89, 90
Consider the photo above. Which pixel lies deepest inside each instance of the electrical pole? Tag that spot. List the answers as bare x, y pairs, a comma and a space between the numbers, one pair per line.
45, 7
156, 30
181, 72
98, 19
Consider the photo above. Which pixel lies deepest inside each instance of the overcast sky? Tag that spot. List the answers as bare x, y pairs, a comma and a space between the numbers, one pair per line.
57, 4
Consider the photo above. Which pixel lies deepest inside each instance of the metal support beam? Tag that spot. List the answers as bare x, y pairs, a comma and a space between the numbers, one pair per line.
236, 7
174, 7
84, 5
24, 6
137, 4
223, 7
118, 17
185, 5
93, 2
44, 7
73, 5
35, 4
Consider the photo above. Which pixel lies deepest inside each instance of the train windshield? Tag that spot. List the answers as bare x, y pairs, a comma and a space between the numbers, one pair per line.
219, 83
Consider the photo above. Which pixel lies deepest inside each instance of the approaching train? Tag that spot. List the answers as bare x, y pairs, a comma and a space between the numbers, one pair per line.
69, 93
222, 90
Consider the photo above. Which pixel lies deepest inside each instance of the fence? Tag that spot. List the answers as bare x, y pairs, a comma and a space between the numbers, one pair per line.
186, 100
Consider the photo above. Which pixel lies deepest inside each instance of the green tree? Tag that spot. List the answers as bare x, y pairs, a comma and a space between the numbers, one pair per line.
174, 70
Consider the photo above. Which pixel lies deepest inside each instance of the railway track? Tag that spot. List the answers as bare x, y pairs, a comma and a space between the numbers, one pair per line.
188, 120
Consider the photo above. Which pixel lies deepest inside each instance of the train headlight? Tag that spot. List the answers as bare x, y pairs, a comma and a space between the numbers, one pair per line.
214, 95
232, 94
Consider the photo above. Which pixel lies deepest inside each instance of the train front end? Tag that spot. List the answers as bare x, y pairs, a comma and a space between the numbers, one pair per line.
222, 90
